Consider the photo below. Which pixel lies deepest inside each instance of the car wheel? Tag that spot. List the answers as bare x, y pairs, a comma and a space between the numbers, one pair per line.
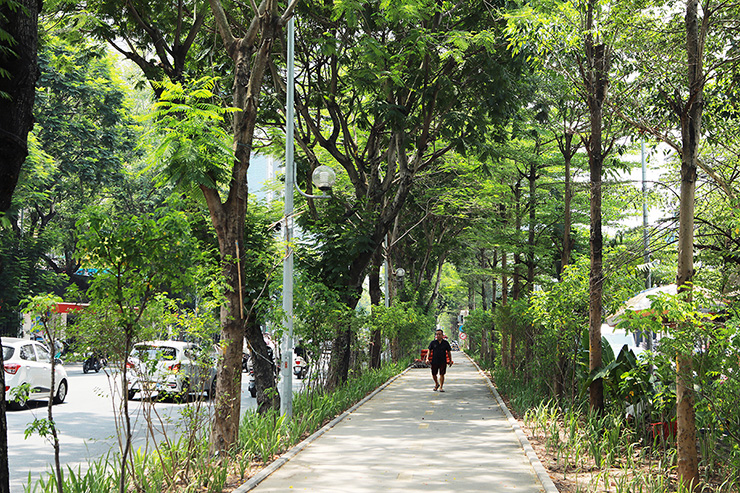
182, 396
17, 405
61, 393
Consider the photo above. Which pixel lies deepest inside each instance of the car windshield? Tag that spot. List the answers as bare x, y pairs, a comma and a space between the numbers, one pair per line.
154, 352
7, 353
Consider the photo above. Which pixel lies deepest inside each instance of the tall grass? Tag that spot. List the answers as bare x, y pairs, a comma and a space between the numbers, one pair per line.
609, 453
99, 477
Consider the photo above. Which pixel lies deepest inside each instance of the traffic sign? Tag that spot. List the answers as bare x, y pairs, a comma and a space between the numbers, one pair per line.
463, 335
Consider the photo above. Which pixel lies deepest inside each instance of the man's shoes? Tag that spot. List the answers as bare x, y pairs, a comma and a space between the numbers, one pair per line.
441, 390
436, 387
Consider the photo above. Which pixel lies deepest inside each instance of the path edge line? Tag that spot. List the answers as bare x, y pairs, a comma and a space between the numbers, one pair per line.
534, 461
280, 461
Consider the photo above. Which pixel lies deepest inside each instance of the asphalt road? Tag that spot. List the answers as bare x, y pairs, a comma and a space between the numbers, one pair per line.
86, 426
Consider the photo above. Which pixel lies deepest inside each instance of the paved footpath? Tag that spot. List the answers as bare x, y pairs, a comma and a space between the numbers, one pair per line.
408, 438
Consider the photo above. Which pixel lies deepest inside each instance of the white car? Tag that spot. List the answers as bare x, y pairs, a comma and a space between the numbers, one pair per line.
171, 368
27, 361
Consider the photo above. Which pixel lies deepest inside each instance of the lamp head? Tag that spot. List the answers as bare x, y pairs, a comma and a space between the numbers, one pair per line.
324, 178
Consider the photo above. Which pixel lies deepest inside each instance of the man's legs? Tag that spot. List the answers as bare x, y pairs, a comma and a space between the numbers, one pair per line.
442, 371
434, 376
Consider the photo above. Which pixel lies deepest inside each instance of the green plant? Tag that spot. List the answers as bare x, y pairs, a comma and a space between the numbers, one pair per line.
99, 476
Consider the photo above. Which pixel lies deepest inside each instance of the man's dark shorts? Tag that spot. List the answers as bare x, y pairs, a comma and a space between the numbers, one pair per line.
441, 369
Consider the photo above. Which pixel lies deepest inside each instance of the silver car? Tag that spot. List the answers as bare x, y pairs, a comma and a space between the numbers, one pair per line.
29, 362
171, 368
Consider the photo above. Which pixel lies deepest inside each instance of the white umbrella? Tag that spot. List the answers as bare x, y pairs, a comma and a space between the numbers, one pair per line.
640, 301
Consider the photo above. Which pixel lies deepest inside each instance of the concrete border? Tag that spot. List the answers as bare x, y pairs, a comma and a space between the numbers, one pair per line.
280, 461
539, 469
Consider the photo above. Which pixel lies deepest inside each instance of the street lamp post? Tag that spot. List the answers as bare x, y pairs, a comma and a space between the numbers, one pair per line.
323, 177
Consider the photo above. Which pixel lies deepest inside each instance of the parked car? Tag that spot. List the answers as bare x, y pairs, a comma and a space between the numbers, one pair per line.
27, 361
171, 368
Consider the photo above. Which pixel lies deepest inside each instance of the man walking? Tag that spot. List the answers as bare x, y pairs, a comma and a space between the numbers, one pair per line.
440, 354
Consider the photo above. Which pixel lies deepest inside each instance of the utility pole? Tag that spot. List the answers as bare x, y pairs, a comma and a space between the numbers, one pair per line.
286, 351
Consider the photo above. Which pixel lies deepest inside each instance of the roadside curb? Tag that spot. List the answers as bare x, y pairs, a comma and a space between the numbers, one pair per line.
280, 461
539, 469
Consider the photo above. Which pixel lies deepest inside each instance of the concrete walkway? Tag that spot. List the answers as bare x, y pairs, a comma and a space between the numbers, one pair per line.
406, 438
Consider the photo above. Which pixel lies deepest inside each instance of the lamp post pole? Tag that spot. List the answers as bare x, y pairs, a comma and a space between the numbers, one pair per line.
323, 177
286, 360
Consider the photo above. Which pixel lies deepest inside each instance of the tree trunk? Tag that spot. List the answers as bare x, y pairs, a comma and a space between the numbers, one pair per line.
264, 366
494, 287
250, 56
339, 367
506, 332
567, 150
595, 72
17, 92
376, 340
691, 119
227, 405
437, 282
567, 157
4, 472
517, 278
529, 336
483, 263
340, 358
19, 85
512, 350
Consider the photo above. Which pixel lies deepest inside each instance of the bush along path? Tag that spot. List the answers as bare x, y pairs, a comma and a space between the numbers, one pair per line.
583, 452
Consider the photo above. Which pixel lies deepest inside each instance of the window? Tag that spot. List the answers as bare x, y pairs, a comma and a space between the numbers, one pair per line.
153, 353
27, 352
43, 354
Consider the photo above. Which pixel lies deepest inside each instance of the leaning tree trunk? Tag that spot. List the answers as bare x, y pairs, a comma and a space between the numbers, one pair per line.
250, 56
17, 92
691, 116
4, 472
227, 405
595, 72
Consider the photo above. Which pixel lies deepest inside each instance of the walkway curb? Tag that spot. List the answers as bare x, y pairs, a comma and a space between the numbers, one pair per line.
539, 469
280, 461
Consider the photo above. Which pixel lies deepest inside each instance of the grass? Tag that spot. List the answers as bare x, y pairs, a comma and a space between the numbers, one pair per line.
589, 453
185, 466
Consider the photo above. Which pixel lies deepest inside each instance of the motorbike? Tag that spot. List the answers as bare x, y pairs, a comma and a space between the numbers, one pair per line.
94, 362
300, 367
245, 362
